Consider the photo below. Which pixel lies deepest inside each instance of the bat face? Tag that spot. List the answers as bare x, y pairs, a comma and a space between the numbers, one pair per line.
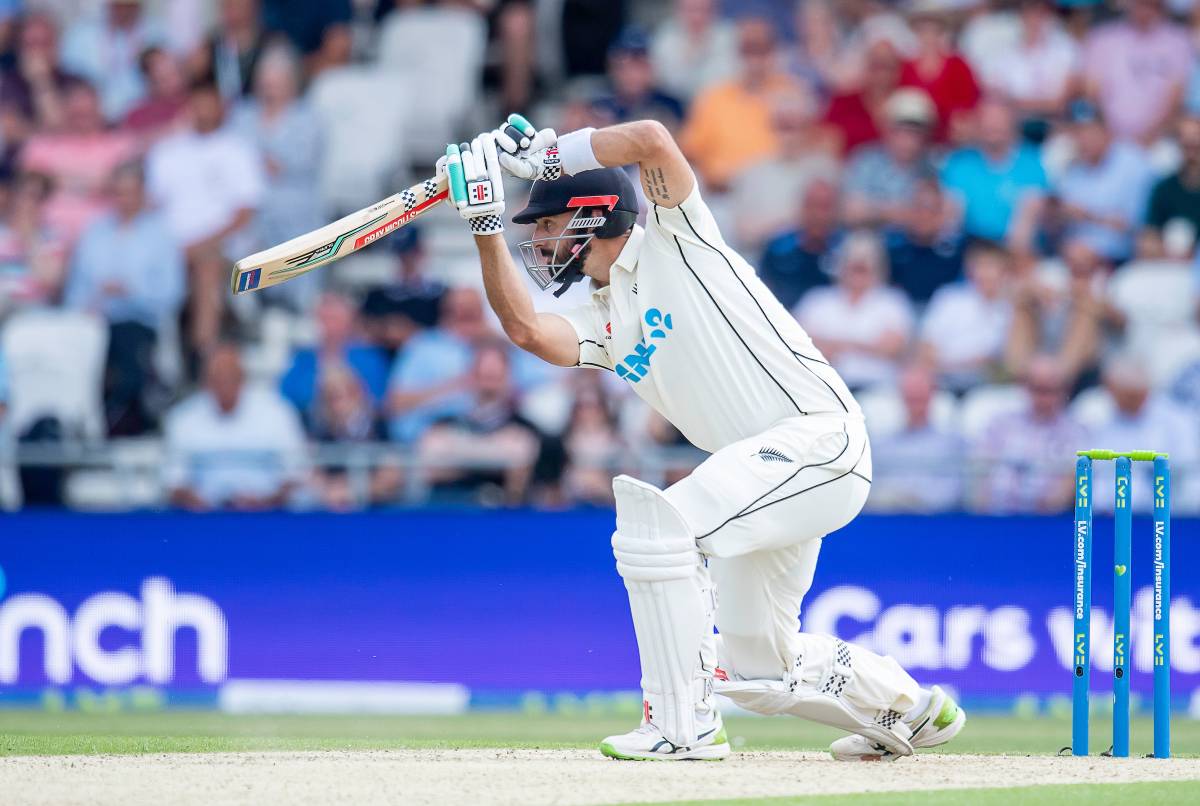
314, 249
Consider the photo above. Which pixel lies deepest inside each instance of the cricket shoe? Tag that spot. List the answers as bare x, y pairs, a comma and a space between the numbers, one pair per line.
647, 743
940, 722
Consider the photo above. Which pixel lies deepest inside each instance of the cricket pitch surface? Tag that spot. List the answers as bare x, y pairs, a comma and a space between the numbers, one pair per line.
529, 776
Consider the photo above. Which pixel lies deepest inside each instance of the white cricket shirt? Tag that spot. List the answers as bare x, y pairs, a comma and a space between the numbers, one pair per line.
688, 324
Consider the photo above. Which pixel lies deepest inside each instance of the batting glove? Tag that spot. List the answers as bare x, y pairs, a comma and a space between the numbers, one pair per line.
476, 185
526, 152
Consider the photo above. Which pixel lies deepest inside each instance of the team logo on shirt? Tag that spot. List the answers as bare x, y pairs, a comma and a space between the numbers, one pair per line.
635, 365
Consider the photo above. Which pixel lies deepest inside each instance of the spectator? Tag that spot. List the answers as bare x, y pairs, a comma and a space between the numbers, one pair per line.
633, 93
32, 252
918, 468
488, 450
232, 52
208, 183
430, 379
717, 150
4, 394
925, 251
992, 28
129, 270
799, 261
230, 446
1062, 319
694, 48
511, 52
815, 56
287, 133
763, 197
965, 328
309, 26
339, 343
1037, 74
997, 176
1132, 416
394, 313
80, 159
593, 446
860, 325
1137, 69
106, 50
1176, 197
855, 114
1104, 190
881, 178
937, 69
1020, 454
345, 413
31, 88
165, 103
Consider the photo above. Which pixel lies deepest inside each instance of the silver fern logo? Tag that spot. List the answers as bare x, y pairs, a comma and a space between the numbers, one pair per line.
772, 455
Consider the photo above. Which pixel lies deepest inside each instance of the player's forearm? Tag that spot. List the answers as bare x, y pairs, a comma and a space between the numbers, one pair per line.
547, 336
505, 292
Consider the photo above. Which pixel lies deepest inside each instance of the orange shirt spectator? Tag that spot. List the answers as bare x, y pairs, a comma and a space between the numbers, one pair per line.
730, 124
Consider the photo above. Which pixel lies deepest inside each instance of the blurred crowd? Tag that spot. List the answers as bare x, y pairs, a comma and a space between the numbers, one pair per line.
984, 212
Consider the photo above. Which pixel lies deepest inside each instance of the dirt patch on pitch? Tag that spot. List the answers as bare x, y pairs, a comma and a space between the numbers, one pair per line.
525, 777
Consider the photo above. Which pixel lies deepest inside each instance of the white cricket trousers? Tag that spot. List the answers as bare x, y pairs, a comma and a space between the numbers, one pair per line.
759, 509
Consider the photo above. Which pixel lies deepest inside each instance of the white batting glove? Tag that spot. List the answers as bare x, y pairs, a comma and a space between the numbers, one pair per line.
526, 152
472, 172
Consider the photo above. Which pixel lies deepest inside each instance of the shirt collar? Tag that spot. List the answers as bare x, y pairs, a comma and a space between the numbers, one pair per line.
628, 258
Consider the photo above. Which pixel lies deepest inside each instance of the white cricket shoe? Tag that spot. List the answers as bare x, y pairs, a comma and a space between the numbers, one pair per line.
646, 743
937, 724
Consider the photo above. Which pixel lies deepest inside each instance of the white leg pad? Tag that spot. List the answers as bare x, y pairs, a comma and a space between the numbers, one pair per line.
671, 599
837, 684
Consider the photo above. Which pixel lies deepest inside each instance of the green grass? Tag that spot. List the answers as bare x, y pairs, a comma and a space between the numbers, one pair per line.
70, 732
1159, 793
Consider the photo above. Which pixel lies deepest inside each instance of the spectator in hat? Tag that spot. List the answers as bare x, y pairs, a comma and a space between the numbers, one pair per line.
996, 175
881, 178
1037, 74
718, 150
1176, 197
633, 93
694, 48
937, 68
798, 261
764, 197
1104, 189
106, 51
1137, 69
862, 325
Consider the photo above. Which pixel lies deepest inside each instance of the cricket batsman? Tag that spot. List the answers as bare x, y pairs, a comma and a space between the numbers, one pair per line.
684, 319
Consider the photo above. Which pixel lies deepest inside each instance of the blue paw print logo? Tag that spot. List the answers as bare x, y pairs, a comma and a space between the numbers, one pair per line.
635, 365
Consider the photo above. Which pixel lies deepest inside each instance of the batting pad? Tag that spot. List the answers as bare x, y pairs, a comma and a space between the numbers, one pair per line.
837, 684
670, 597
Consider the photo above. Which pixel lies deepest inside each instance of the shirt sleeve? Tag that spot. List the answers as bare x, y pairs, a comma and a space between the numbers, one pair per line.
590, 326
690, 221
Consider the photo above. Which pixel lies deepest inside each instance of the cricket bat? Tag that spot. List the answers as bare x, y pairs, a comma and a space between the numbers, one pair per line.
315, 249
